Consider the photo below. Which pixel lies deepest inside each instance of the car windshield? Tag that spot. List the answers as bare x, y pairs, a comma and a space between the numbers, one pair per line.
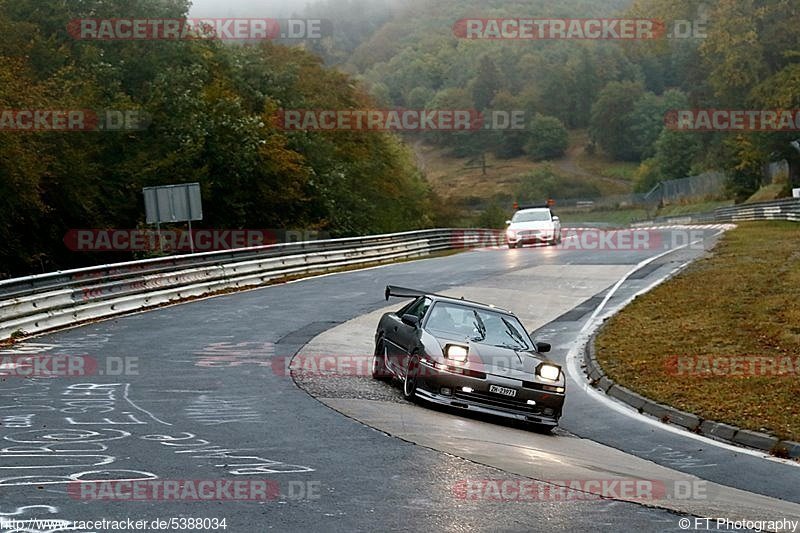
541, 215
478, 325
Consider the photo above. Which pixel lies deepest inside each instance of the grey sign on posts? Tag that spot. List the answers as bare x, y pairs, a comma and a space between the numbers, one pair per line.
173, 203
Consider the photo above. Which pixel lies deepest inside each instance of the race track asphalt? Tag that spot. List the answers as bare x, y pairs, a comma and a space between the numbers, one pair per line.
198, 391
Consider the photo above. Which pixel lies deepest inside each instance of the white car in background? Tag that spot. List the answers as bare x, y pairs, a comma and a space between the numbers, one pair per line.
533, 226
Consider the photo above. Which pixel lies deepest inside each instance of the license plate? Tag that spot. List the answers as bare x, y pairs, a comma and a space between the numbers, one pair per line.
505, 391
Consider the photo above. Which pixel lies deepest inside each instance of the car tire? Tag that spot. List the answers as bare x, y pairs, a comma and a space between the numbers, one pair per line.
410, 378
512, 246
379, 370
558, 239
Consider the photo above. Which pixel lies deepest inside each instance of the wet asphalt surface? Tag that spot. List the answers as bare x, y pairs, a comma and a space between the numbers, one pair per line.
205, 396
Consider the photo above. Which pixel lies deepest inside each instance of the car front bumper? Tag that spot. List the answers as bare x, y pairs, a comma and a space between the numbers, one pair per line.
545, 410
531, 238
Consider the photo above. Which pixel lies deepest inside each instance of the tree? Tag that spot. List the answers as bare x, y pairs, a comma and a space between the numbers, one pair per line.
470, 143
748, 60
558, 96
214, 121
493, 217
486, 84
780, 91
419, 97
587, 85
675, 154
548, 138
733, 51
507, 143
647, 119
612, 122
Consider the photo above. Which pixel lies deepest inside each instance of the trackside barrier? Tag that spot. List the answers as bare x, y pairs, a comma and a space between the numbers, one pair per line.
787, 209
34, 304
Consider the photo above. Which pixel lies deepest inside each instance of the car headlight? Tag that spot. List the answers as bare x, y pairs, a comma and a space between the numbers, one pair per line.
456, 352
549, 372
511, 233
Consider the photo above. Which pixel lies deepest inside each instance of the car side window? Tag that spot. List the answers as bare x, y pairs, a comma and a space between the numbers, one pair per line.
403, 310
419, 308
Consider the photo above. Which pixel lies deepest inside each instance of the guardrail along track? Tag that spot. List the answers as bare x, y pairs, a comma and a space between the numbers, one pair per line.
786, 209
42, 302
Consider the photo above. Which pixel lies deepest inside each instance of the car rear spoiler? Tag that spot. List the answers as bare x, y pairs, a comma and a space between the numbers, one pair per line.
402, 292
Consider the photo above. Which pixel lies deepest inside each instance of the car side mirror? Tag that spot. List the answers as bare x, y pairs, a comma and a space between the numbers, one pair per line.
508, 222
410, 320
543, 347
556, 219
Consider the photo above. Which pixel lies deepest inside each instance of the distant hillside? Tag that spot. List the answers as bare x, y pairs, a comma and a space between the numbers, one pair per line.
472, 186
741, 56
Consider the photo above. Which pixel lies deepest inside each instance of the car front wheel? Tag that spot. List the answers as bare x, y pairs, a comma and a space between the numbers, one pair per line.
411, 377
379, 370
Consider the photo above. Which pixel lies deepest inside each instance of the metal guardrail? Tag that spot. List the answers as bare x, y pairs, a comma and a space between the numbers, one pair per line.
786, 209
42, 282
46, 301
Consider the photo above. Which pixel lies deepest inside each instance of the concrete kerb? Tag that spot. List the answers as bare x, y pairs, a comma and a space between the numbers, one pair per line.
670, 415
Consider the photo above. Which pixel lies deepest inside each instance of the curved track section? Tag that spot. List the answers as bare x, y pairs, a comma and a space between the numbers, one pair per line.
201, 392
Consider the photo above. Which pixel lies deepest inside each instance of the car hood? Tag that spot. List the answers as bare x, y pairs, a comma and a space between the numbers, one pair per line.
517, 226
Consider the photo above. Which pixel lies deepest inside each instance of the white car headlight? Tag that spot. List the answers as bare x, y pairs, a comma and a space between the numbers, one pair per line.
549, 372
456, 352
511, 233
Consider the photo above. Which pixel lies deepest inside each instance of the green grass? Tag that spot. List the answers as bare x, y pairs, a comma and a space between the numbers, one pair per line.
457, 182
466, 192
699, 207
770, 192
599, 163
627, 216
621, 217
740, 301
602, 166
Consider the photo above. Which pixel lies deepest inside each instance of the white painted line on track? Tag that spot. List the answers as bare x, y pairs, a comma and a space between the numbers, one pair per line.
579, 378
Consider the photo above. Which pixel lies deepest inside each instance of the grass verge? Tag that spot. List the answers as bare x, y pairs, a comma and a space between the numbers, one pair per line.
678, 343
696, 207
629, 215
620, 217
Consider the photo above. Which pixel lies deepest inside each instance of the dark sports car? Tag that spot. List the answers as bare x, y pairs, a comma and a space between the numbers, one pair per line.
467, 355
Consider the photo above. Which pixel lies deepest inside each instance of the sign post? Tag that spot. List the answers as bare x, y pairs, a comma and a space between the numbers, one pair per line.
173, 203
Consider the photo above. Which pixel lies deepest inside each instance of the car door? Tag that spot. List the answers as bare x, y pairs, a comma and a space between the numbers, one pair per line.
402, 338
